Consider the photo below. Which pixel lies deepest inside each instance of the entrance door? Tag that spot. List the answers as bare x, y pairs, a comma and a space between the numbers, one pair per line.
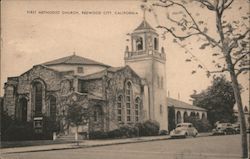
23, 109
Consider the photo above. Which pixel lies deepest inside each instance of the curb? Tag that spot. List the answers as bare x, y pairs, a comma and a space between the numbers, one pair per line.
85, 146
95, 145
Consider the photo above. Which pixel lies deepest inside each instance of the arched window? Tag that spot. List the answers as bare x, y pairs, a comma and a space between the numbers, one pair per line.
197, 115
97, 113
156, 44
119, 108
139, 44
137, 108
185, 116
192, 114
52, 106
161, 109
161, 82
23, 109
38, 90
158, 81
128, 100
203, 116
178, 115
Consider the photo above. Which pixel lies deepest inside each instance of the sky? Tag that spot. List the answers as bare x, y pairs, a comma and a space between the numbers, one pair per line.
33, 33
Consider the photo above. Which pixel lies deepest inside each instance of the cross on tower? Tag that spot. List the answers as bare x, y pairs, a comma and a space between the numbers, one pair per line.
144, 8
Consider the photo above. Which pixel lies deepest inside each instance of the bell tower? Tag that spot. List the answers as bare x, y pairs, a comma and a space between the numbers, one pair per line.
148, 61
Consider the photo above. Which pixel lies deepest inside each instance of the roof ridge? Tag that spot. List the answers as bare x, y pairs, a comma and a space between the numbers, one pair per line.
70, 57
74, 59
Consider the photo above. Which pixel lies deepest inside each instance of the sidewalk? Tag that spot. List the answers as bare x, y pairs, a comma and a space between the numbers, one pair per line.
85, 144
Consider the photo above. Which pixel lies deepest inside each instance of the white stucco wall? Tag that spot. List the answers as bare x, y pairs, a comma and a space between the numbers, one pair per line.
87, 69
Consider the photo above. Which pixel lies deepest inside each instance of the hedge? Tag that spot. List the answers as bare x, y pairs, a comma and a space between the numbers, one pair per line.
148, 128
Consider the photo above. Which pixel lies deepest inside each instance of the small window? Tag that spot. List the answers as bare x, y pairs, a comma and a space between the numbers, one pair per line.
128, 118
155, 43
161, 82
161, 110
139, 44
95, 116
119, 108
79, 69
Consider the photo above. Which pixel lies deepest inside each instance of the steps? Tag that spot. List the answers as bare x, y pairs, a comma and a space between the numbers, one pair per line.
69, 137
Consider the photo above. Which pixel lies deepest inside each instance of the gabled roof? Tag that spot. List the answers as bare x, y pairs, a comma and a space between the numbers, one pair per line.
96, 75
183, 105
144, 25
74, 59
100, 74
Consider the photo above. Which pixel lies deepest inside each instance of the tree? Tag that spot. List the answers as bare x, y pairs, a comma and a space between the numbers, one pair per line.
230, 39
77, 115
218, 100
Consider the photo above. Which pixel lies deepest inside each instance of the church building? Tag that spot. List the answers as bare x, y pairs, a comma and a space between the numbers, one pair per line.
117, 96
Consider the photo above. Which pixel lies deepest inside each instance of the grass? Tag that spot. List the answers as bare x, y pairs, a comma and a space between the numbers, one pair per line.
12, 144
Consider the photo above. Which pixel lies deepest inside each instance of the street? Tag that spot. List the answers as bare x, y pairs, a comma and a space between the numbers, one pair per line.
212, 147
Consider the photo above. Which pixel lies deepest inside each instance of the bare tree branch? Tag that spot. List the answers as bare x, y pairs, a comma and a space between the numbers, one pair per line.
207, 4
242, 36
219, 71
240, 58
175, 35
228, 4
235, 40
196, 26
242, 70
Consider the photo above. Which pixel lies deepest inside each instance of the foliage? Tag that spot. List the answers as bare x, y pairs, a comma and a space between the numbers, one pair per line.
147, 128
171, 118
163, 132
6, 121
230, 41
218, 99
50, 126
202, 125
18, 131
77, 114
98, 135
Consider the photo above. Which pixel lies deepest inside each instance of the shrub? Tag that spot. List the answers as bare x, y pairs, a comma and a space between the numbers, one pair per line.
128, 131
97, 135
116, 133
202, 125
19, 131
163, 132
148, 128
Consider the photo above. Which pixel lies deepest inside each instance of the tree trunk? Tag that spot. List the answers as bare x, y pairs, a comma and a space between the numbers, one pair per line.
235, 85
76, 136
241, 116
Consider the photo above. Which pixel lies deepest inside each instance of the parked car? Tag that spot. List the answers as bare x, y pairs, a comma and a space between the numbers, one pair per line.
184, 130
224, 129
163, 132
236, 127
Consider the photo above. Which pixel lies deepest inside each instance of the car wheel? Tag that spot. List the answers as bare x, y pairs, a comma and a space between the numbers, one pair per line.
195, 134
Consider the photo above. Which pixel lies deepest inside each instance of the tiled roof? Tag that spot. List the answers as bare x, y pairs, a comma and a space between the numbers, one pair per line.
114, 69
96, 75
144, 25
180, 104
100, 74
73, 59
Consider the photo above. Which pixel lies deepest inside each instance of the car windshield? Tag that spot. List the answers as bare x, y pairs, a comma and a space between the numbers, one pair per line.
184, 125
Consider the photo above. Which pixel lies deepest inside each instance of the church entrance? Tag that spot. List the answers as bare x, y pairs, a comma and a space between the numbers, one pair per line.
23, 109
